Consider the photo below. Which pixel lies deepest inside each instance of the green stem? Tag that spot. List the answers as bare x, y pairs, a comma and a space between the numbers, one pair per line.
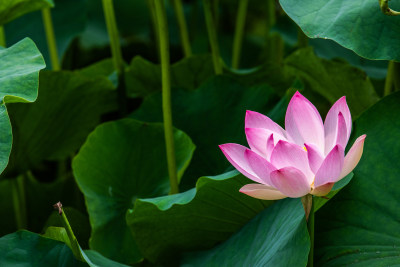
302, 39
212, 35
2, 37
310, 226
72, 239
113, 35
389, 79
271, 16
166, 93
19, 200
154, 23
180, 16
238, 39
51, 39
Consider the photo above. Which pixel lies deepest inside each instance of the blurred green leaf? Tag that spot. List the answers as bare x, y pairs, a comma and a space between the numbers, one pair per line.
211, 115
19, 71
68, 107
25, 248
122, 161
144, 77
276, 237
332, 79
12, 9
69, 20
359, 26
197, 219
360, 225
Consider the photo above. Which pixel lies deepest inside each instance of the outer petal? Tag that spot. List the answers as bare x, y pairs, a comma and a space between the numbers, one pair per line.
303, 122
261, 167
315, 158
258, 138
331, 167
291, 182
353, 156
290, 155
236, 156
256, 120
331, 122
261, 191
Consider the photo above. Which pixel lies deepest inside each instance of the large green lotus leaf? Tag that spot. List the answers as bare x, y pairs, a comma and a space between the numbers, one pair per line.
196, 219
276, 237
19, 71
332, 79
12, 9
69, 20
329, 49
119, 162
25, 248
356, 25
211, 115
360, 226
68, 108
144, 77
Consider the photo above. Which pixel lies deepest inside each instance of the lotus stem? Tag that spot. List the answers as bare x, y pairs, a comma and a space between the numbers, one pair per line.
119, 64
154, 23
72, 239
180, 16
2, 37
166, 93
238, 39
301, 38
271, 13
389, 78
310, 226
212, 36
19, 201
51, 39
113, 35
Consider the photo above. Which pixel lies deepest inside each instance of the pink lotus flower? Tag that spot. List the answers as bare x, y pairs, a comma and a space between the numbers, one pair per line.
306, 158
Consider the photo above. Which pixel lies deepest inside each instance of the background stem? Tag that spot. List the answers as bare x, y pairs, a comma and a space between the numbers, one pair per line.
166, 93
212, 36
389, 79
271, 16
302, 39
113, 35
310, 226
238, 39
51, 39
19, 200
180, 16
2, 37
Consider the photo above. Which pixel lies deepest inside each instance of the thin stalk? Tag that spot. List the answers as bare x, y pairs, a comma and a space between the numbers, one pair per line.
310, 226
271, 16
180, 16
2, 37
238, 39
302, 39
72, 239
19, 201
116, 53
113, 35
212, 36
389, 79
154, 23
51, 39
166, 93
